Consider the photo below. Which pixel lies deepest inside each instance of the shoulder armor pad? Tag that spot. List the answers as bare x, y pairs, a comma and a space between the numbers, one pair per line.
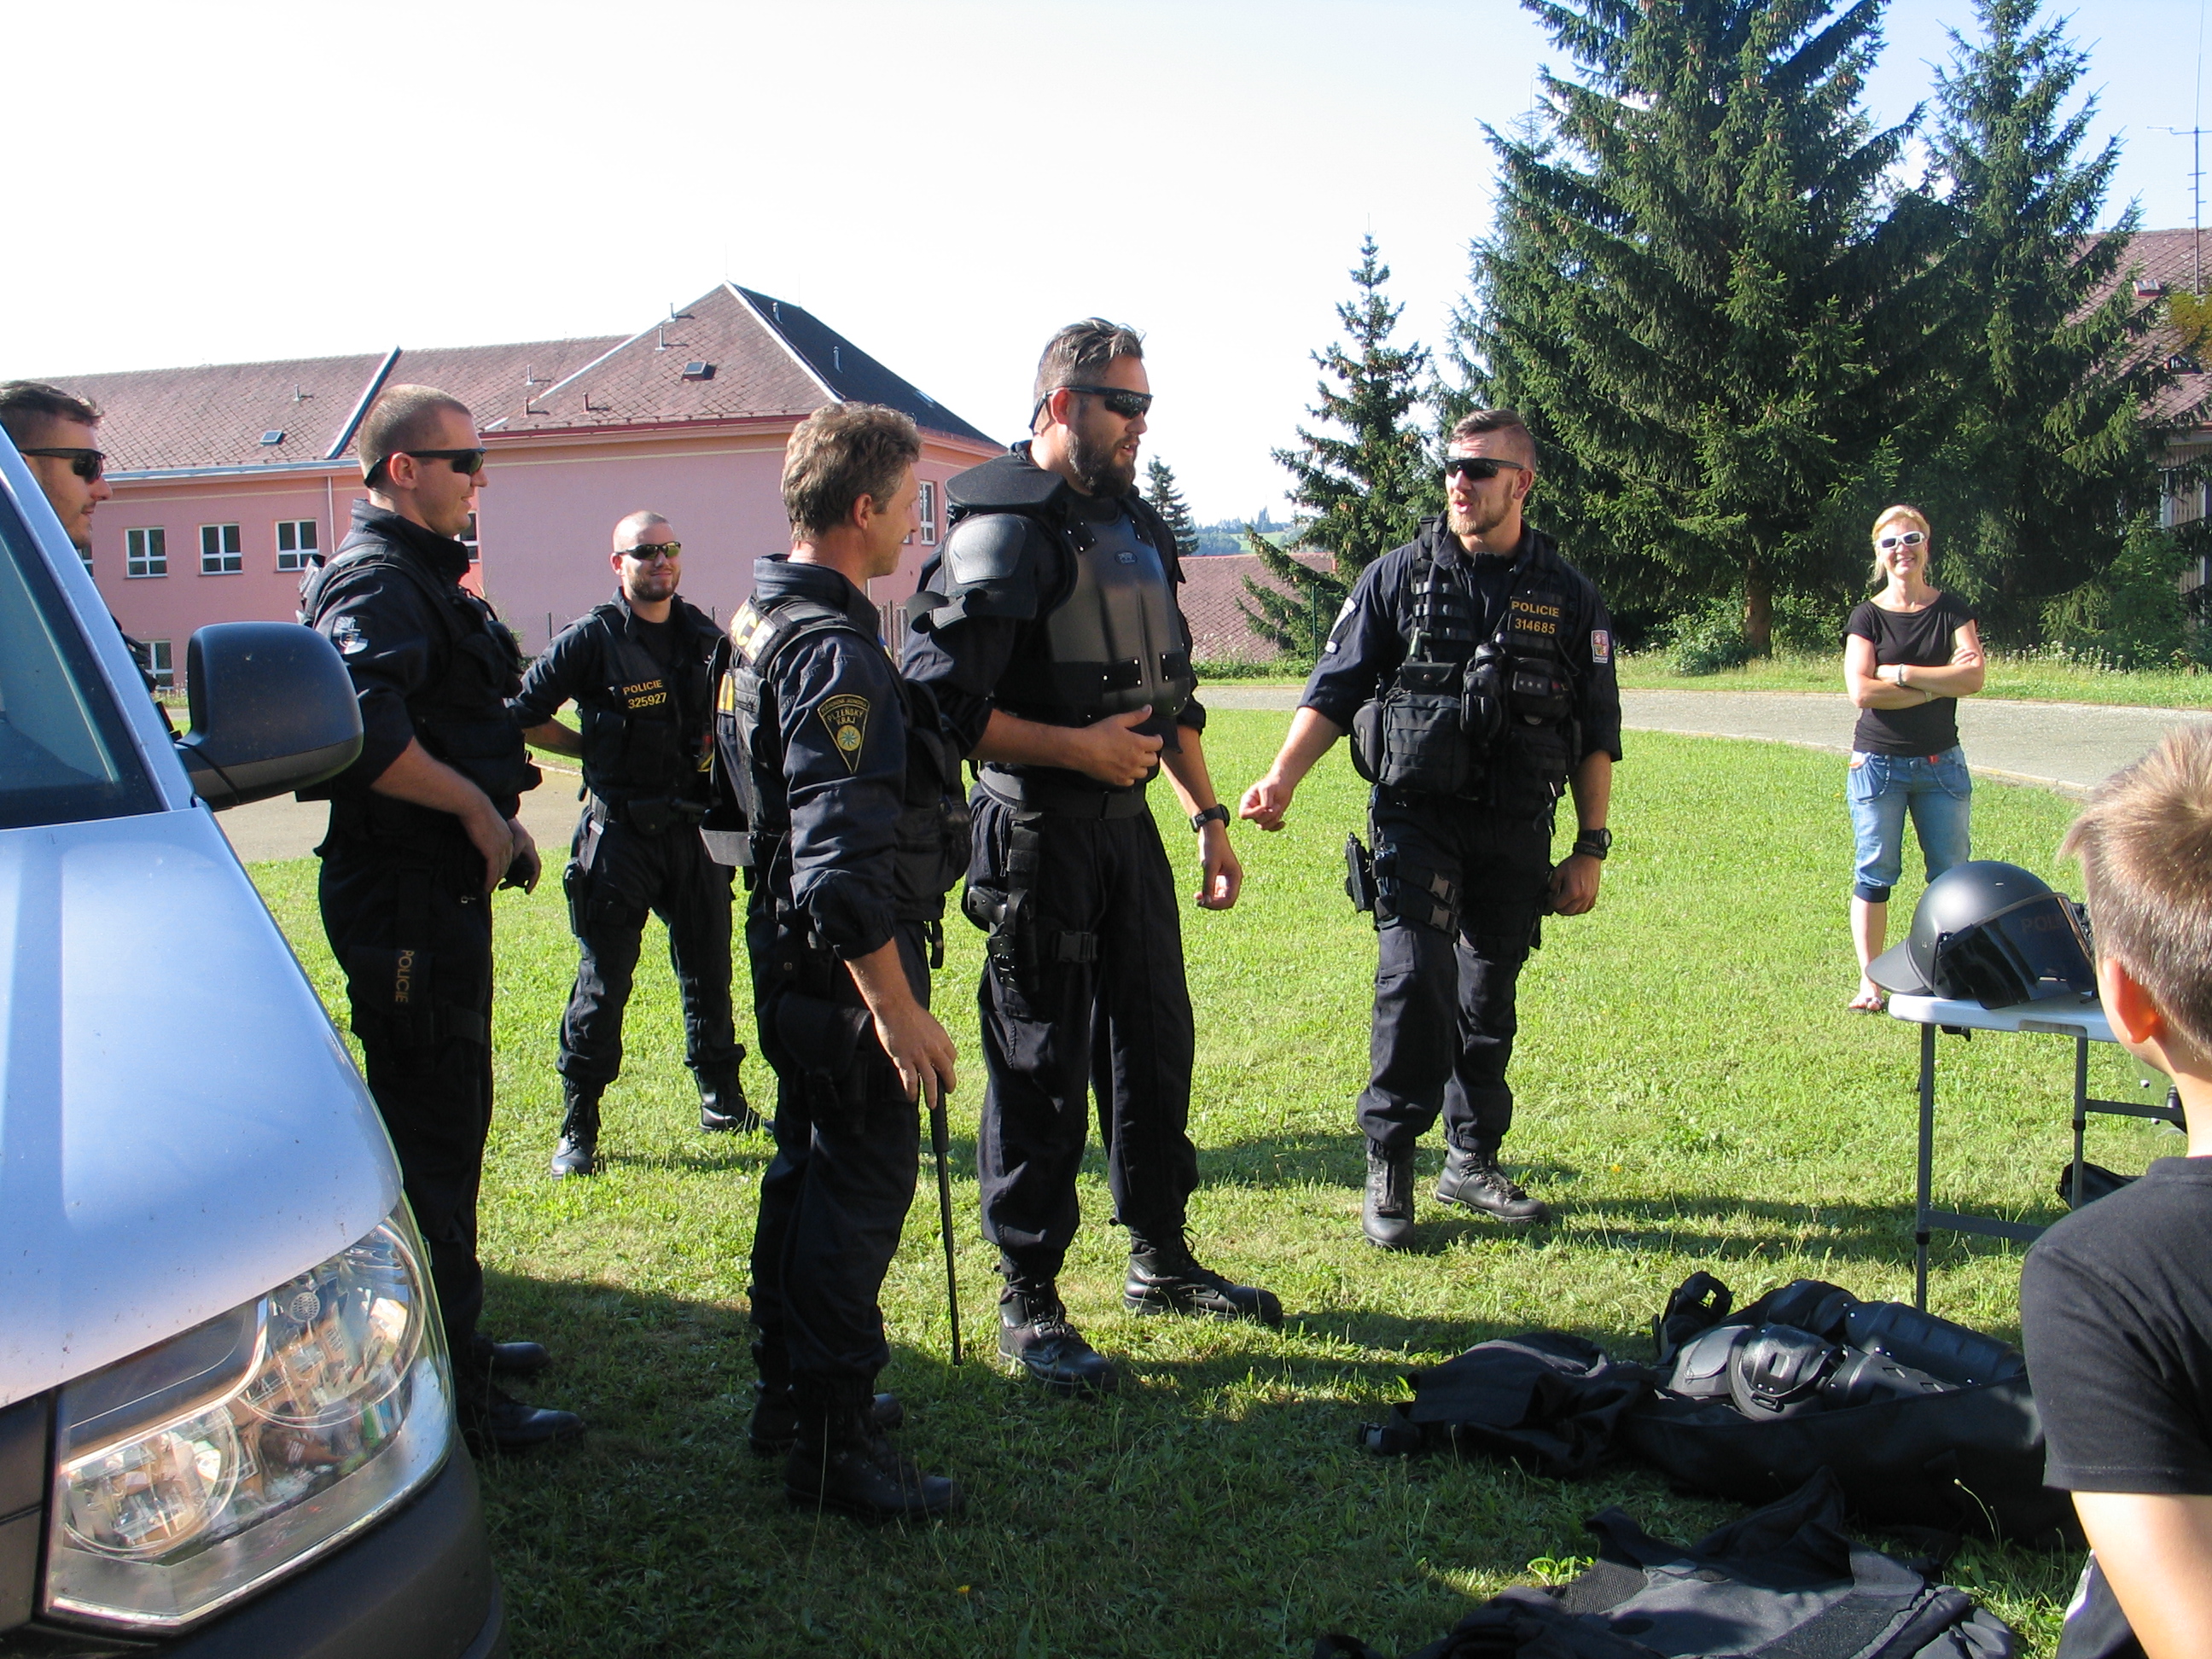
988, 568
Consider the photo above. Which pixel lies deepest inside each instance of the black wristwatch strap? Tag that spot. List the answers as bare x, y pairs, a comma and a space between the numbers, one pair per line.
1216, 814
1595, 843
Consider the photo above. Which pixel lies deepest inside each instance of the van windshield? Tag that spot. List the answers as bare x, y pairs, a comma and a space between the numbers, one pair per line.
66, 754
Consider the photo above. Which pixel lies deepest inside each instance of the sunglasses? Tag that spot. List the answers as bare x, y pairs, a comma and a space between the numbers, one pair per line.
87, 464
1476, 468
647, 552
1910, 539
1128, 404
466, 462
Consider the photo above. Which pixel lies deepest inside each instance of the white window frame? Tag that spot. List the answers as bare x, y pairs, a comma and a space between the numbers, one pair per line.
227, 556
161, 662
928, 513
299, 556
146, 552
469, 541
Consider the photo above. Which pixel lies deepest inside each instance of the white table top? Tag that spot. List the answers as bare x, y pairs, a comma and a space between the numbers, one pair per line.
2068, 1014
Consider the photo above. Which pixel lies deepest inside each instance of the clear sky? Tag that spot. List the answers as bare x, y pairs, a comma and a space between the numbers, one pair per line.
943, 182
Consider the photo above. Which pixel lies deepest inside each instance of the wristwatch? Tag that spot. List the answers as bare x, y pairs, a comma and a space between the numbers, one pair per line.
1595, 843
1216, 814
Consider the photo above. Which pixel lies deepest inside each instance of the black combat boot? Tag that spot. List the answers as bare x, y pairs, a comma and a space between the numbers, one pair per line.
1165, 1278
1386, 1216
493, 1420
579, 1151
1472, 1179
842, 1461
1035, 1336
723, 1106
774, 1428
490, 1358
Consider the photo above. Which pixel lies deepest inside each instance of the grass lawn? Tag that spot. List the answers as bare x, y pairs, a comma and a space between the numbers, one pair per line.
1693, 1095
2011, 677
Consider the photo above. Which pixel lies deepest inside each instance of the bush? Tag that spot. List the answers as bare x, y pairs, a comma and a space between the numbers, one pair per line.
2131, 617
1709, 639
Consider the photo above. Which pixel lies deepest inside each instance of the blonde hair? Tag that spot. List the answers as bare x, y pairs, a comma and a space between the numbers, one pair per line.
1888, 514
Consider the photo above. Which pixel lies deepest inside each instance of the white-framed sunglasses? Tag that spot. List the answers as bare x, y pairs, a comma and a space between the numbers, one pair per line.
1910, 539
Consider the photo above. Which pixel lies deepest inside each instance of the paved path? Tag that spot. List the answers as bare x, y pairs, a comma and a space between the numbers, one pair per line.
2067, 746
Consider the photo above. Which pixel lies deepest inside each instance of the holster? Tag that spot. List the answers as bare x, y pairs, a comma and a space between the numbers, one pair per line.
1358, 876
822, 1039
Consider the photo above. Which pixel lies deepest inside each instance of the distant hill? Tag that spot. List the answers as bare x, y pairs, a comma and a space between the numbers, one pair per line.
1227, 536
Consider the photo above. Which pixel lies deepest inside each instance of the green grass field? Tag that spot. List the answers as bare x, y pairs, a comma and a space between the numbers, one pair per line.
2038, 679
1693, 1095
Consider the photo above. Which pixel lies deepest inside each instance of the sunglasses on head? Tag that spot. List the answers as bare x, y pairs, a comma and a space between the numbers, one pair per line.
647, 552
1910, 539
466, 462
1476, 468
87, 464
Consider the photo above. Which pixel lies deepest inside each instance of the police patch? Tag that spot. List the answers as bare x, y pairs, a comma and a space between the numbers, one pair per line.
847, 717
346, 635
1601, 645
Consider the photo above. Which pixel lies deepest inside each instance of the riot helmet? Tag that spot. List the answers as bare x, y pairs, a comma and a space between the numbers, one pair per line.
1993, 934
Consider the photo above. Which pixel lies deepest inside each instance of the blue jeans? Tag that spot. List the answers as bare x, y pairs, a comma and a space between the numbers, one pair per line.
1936, 789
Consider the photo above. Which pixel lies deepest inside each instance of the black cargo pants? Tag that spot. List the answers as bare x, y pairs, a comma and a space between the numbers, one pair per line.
847, 1150
1445, 976
1093, 988
632, 874
411, 928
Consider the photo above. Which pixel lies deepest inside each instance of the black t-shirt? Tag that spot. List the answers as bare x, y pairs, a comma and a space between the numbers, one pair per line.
2116, 1315
1923, 639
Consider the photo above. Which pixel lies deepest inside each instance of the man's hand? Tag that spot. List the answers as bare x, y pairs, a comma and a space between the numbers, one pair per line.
1223, 874
1574, 884
918, 1046
1265, 801
525, 866
1113, 751
1308, 740
495, 837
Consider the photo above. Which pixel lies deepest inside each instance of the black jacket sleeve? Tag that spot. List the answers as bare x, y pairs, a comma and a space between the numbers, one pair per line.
1363, 647
566, 668
388, 642
844, 763
1598, 706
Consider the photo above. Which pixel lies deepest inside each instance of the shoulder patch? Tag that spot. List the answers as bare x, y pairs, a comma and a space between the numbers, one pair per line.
846, 716
1601, 645
346, 635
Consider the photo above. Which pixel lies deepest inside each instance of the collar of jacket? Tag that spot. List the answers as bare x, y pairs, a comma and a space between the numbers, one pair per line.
1012, 482
680, 610
781, 577
1535, 548
447, 558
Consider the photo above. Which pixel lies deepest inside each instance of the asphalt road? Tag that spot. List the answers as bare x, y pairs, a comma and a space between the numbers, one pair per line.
2066, 746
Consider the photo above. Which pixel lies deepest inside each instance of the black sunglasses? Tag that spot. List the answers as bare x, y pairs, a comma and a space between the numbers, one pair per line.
647, 552
1478, 467
466, 462
87, 464
1128, 404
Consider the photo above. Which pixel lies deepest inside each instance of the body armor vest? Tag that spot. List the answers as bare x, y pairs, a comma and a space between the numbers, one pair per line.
649, 735
1116, 642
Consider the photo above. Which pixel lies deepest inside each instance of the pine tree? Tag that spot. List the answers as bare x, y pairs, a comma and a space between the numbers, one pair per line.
1167, 500
1705, 297
2045, 461
1363, 492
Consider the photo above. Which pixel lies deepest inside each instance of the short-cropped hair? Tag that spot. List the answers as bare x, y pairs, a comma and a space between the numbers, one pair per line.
26, 406
405, 417
1478, 422
1078, 354
840, 452
2145, 843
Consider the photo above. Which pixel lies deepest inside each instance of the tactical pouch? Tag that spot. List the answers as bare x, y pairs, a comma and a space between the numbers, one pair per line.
1539, 695
1367, 745
1000, 916
821, 1040
1422, 748
1358, 876
652, 815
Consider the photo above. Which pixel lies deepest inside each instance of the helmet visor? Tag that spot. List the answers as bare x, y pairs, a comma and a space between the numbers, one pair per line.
2016, 955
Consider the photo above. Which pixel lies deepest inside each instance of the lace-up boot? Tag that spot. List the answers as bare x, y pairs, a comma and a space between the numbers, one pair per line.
1473, 1180
1386, 1215
842, 1461
578, 1152
1035, 1336
1165, 1278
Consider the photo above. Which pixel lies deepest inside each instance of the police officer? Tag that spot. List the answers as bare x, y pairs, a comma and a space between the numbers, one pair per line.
1475, 668
641, 670
856, 836
422, 829
1048, 629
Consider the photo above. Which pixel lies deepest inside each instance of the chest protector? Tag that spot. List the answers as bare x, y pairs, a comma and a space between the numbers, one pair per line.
1488, 718
646, 734
460, 716
932, 824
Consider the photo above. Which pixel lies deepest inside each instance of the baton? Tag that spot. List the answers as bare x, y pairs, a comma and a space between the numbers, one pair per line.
935, 1090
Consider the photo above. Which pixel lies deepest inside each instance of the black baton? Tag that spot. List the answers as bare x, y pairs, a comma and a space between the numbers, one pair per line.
935, 1090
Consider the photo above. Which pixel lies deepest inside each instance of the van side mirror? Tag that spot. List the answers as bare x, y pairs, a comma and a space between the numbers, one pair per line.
272, 711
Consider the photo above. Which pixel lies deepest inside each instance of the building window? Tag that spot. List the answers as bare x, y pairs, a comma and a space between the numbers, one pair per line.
928, 514
220, 550
146, 552
159, 662
296, 540
469, 539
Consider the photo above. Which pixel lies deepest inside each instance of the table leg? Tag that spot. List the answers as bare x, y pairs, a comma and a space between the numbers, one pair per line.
1926, 1164
2081, 1109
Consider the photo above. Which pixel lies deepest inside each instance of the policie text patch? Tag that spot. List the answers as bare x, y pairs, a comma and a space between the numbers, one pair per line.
847, 717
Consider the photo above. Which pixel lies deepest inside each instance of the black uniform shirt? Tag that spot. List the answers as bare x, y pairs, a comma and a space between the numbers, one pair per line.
393, 646
1368, 642
840, 736
574, 667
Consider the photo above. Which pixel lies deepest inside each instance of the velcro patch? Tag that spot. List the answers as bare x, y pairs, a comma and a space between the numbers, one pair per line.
1601, 645
847, 717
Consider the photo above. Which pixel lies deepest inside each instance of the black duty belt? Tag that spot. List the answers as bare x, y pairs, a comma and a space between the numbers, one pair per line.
653, 815
1064, 800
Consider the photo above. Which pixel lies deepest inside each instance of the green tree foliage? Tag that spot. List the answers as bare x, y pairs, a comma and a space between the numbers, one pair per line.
2131, 614
2040, 461
1363, 487
1704, 296
1167, 500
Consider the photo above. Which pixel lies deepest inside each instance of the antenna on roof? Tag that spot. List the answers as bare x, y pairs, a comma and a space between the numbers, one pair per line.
2196, 137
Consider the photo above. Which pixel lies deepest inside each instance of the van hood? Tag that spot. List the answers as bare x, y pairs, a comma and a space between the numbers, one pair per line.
180, 1128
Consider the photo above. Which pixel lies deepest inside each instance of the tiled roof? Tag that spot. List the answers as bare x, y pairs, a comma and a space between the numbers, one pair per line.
2170, 257
767, 358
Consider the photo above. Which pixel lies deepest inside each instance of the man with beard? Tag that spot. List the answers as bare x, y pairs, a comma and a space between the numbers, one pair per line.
1048, 631
1474, 669
641, 669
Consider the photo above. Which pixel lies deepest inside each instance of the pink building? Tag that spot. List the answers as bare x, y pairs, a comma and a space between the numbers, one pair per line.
231, 479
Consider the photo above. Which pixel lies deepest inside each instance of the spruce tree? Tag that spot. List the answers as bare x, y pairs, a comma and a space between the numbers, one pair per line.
1705, 297
2045, 462
1167, 500
1363, 488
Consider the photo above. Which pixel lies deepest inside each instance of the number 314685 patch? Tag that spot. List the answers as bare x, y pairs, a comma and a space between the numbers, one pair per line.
847, 717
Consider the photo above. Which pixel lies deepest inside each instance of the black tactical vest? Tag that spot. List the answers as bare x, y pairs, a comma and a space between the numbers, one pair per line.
646, 735
1116, 641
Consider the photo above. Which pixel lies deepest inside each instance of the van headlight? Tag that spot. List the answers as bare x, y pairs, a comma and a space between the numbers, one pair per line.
190, 1474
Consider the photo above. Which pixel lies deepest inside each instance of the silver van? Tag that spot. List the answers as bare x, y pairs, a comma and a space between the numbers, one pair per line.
226, 1413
